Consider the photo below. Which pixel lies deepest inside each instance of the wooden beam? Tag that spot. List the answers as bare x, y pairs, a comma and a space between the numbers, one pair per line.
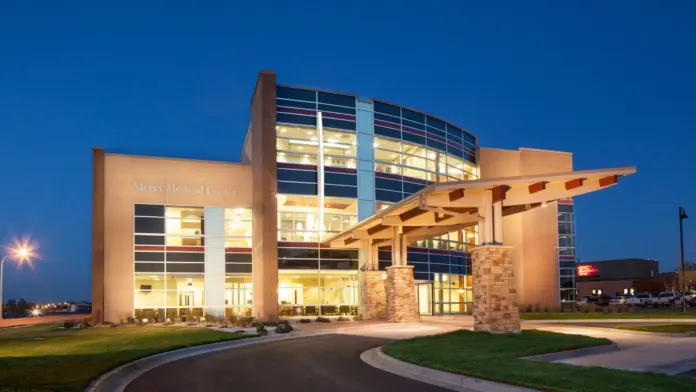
377, 243
537, 186
461, 210
412, 213
499, 193
606, 181
456, 194
440, 219
349, 241
376, 229
572, 184
509, 210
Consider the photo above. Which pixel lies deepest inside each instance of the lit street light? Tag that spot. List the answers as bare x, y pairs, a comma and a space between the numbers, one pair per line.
21, 252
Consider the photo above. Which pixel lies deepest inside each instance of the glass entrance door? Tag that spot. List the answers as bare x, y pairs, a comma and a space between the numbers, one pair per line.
425, 299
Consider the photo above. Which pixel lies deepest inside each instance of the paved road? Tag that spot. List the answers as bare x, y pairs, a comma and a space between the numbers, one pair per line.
16, 322
319, 363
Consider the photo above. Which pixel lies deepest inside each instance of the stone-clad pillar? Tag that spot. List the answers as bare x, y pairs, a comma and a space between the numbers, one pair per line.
402, 302
494, 291
374, 295
373, 286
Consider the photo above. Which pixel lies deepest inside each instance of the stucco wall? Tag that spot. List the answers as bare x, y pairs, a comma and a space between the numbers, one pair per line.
129, 180
532, 234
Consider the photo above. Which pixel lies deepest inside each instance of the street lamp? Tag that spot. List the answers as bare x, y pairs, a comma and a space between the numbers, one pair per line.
682, 216
21, 252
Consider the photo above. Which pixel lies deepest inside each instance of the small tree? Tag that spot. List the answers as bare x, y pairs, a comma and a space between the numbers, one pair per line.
649, 285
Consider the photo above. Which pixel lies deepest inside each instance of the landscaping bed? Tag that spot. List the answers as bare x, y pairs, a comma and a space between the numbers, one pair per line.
51, 357
499, 358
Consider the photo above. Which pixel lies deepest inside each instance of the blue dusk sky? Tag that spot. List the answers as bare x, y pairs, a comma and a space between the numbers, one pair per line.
614, 82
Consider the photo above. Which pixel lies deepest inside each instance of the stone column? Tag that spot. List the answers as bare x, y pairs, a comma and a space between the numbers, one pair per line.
402, 302
494, 291
374, 294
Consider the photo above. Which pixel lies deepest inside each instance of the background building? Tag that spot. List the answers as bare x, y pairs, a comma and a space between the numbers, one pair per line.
175, 237
616, 277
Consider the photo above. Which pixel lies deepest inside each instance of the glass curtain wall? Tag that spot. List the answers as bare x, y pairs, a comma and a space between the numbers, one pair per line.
169, 261
411, 160
566, 250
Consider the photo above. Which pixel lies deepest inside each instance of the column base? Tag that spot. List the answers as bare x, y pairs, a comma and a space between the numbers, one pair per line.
374, 295
495, 295
402, 301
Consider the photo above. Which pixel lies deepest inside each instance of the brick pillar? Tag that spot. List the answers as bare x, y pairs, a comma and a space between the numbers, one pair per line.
374, 295
495, 295
402, 302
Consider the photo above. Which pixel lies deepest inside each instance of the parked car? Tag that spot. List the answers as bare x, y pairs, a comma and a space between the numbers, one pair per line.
633, 301
645, 299
667, 298
618, 300
588, 299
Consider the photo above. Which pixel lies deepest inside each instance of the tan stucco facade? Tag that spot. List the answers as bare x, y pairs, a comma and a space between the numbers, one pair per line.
533, 235
128, 180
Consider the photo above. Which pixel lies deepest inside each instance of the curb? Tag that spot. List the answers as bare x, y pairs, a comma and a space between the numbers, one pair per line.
117, 379
455, 382
608, 320
581, 352
665, 334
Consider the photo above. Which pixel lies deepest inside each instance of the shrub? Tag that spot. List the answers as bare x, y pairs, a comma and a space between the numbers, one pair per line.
85, 322
305, 321
546, 309
357, 317
261, 329
283, 327
69, 324
591, 308
522, 308
585, 309
240, 331
131, 320
322, 320
271, 323
537, 308
529, 308
341, 319
245, 322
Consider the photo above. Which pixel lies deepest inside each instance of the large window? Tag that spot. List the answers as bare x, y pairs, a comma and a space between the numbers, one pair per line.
313, 293
299, 217
300, 145
169, 259
566, 250
452, 293
415, 161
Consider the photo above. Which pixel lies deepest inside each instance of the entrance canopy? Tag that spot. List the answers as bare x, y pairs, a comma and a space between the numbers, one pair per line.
444, 207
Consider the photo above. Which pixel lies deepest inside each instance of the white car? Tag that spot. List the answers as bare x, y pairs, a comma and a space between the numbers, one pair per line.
634, 301
667, 298
618, 300
644, 299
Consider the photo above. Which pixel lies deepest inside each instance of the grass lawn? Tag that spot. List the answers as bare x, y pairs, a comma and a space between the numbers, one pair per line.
497, 358
669, 328
584, 316
51, 358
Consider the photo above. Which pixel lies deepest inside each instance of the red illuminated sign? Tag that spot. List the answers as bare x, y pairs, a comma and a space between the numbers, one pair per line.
587, 270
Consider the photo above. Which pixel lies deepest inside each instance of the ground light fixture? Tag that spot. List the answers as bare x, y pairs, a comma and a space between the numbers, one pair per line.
21, 252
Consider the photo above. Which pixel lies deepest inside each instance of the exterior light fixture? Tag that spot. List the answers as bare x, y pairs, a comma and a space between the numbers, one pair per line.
543, 204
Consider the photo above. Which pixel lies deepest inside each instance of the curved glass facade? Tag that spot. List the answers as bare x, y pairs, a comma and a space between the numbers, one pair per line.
374, 154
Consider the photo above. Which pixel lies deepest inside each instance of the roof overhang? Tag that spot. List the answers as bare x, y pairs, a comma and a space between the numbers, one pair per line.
444, 207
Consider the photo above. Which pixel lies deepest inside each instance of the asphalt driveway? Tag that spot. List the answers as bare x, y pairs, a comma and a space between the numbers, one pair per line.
319, 363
